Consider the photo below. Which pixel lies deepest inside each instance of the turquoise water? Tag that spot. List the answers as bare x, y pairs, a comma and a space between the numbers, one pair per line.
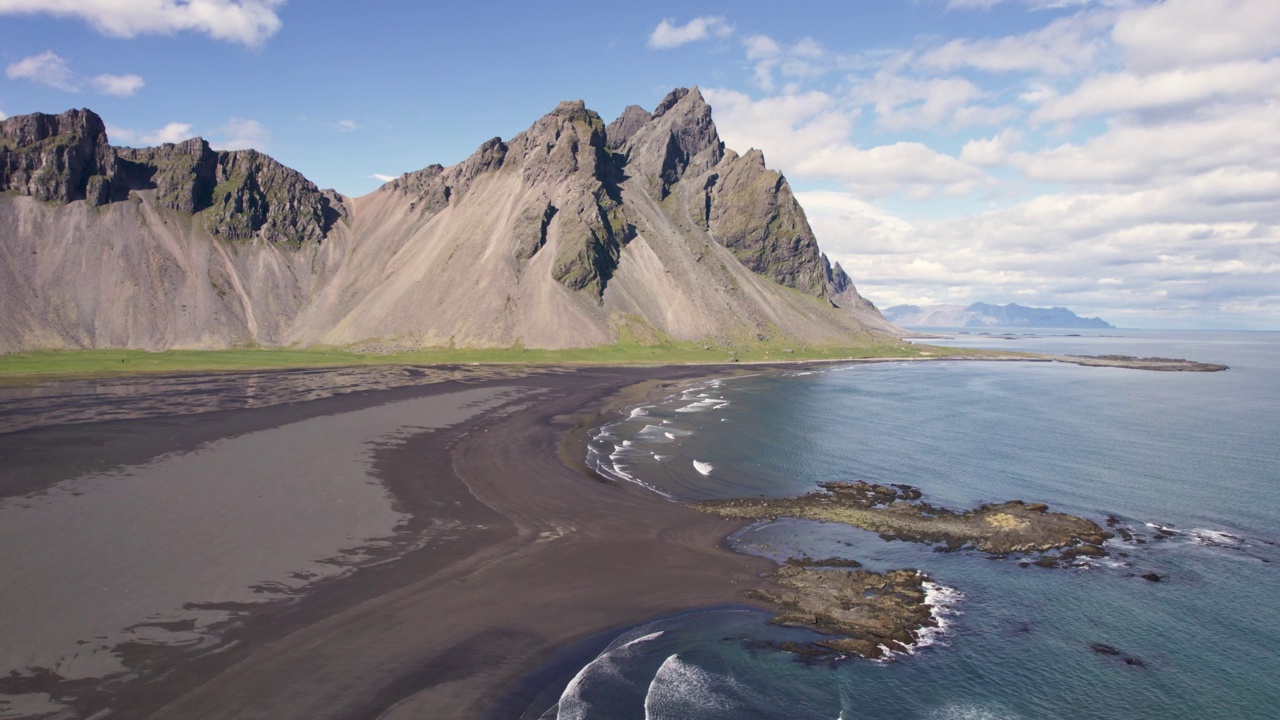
1196, 453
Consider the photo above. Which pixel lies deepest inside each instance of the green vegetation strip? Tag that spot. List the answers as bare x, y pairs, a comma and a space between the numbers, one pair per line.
51, 364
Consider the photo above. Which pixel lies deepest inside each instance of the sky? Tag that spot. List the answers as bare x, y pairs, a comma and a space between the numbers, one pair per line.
1117, 157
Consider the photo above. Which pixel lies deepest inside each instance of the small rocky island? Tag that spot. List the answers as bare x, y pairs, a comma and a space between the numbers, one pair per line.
867, 614
873, 614
897, 513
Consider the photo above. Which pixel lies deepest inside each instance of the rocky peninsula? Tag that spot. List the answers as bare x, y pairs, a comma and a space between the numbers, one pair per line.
873, 614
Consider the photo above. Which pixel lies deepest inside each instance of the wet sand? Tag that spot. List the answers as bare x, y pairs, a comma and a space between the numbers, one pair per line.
542, 554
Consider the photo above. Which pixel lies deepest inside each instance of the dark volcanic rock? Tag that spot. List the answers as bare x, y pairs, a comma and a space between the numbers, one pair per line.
241, 194
620, 130
55, 158
870, 614
1011, 527
564, 148
753, 213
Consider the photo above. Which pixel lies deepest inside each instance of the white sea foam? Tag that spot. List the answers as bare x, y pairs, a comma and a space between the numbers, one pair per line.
640, 411
703, 467
942, 601
970, 712
699, 406
652, 432
670, 436
604, 668
1217, 538
681, 690
721, 405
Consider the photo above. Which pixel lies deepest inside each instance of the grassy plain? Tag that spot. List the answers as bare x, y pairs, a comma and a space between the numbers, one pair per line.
49, 364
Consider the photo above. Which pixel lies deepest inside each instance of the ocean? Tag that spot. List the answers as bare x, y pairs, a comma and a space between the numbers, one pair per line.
1190, 461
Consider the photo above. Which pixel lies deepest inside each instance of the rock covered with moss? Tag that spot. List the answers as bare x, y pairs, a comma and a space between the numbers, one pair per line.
897, 513
238, 195
57, 158
867, 614
564, 154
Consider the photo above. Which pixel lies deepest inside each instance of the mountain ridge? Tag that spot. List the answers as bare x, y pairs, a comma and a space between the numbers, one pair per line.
982, 314
562, 236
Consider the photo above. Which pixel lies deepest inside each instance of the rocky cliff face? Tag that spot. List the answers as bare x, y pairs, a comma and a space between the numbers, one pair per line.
566, 235
57, 158
238, 195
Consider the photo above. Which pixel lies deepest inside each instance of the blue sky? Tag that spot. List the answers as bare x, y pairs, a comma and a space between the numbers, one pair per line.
1118, 157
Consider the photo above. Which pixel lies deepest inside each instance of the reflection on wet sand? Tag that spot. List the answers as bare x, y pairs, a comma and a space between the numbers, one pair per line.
59, 402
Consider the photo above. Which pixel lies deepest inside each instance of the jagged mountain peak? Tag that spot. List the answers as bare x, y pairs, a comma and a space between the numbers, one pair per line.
619, 131
568, 234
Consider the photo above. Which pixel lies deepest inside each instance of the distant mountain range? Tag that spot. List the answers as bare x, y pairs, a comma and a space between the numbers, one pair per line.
570, 234
986, 315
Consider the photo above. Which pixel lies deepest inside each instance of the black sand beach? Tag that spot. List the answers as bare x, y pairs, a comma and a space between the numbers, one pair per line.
540, 554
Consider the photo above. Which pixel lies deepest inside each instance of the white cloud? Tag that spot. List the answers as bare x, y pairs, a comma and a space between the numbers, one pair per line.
347, 125
3, 116
1132, 153
120, 85
1063, 46
1177, 33
383, 178
1153, 121
806, 58
241, 134
1142, 254
808, 136
173, 132
669, 35
249, 22
49, 68
992, 151
904, 102
1125, 91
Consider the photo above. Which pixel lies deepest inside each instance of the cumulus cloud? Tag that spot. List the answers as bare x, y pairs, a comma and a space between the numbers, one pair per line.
1179, 87
1151, 256
241, 134
903, 102
1177, 33
1132, 168
119, 85
173, 132
249, 22
49, 68
805, 58
1063, 46
992, 151
669, 35
809, 135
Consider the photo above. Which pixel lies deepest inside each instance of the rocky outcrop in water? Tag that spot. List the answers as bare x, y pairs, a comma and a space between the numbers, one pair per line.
897, 513
867, 614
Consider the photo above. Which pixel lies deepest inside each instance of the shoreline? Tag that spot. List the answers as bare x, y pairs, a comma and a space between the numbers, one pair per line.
436, 632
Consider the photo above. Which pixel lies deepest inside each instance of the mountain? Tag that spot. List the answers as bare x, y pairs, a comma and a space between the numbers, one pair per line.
985, 315
570, 234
